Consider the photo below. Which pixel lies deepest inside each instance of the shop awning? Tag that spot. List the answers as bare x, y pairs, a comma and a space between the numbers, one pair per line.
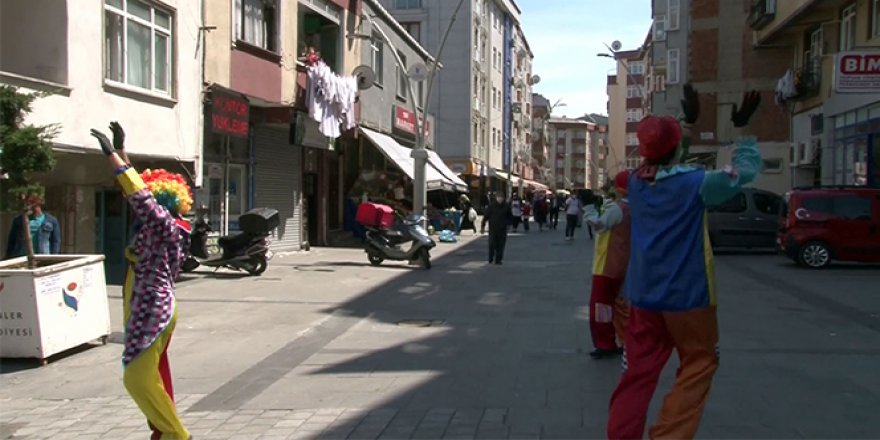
535, 185
435, 160
505, 176
401, 156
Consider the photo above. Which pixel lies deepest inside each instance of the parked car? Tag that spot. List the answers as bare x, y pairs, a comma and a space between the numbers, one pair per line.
818, 225
748, 220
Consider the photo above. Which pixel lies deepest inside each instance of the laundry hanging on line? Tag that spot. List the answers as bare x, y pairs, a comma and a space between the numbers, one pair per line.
331, 99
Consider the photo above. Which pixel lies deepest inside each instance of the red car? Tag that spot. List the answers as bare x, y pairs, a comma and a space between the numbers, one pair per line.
821, 224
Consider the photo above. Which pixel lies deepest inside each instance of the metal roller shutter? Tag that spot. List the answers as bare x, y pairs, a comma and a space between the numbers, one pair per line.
278, 184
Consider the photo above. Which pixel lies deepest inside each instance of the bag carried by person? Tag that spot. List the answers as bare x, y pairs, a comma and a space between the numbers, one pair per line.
472, 215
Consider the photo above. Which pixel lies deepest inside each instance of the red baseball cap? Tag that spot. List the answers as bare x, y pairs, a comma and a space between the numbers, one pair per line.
658, 136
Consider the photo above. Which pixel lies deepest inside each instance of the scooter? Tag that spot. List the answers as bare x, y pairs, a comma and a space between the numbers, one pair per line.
382, 244
247, 251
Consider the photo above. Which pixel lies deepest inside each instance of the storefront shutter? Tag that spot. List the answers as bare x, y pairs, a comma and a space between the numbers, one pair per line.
278, 184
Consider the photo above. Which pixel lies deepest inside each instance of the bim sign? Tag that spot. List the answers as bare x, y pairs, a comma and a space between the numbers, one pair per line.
858, 72
230, 115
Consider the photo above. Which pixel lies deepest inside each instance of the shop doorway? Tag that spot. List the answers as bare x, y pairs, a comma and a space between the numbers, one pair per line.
310, 197
114, 232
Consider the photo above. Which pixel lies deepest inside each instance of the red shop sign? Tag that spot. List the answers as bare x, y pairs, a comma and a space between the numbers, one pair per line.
230, 115
405, 120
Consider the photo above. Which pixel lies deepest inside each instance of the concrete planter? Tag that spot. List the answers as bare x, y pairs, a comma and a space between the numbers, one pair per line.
58, 306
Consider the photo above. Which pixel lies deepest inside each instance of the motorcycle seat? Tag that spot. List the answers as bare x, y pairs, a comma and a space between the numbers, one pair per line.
235, 241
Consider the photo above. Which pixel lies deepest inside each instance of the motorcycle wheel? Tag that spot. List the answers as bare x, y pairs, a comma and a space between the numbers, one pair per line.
375, 259
425, 256
260, 265
189, 265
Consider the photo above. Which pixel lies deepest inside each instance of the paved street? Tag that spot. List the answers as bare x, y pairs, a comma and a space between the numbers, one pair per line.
325, 346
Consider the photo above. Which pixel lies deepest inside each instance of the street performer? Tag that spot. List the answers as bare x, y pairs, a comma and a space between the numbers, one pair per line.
159, 199
670, 278
608, 309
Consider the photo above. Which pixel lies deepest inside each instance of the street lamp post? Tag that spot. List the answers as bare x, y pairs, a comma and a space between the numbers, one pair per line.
419, 153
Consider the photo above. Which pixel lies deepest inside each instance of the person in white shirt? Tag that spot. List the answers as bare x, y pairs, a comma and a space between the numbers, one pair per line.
573, 211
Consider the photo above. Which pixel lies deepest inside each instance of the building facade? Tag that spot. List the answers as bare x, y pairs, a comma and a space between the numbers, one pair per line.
830, 86
627, 105
571, 152
149, 81
474, 94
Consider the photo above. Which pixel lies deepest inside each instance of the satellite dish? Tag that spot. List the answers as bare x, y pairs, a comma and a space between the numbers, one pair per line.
534, 80
417, 72
365, 75
616, 45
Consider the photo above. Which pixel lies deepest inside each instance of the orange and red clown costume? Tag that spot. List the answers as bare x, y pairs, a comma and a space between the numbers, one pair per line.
158, 250
670, 282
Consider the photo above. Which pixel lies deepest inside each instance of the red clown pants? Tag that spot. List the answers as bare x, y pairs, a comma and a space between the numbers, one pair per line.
650, 338
608, 313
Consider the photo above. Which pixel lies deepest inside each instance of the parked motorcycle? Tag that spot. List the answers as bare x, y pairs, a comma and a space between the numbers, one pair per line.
388, 244
247, 251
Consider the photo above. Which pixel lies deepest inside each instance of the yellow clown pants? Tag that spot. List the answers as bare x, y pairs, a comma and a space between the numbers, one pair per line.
148, 378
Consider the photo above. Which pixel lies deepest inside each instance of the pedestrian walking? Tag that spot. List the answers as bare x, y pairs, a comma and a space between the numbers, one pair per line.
608, 308
670, 277
516, 206
468, 215
573, 212
498, 216
526, 213
590, 213
540, 209
555, 205
158, 199
44, 229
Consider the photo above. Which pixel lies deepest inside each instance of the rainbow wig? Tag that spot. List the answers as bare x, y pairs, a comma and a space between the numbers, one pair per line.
169, 189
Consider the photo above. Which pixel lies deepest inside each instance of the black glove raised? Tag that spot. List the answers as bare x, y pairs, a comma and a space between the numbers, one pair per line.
106, 146
118, 136
690, 105
750, 103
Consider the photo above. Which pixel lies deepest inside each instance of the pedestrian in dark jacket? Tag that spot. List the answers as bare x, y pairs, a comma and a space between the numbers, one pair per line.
45, 232
499, 216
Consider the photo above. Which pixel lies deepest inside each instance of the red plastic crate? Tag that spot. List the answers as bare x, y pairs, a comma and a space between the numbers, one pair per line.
375, 215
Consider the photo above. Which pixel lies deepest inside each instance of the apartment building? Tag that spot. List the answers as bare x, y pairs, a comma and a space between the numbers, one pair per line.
541, 157
599, 173
830, 87
571, 153
135, 62
627, 105
520, 92
473, 96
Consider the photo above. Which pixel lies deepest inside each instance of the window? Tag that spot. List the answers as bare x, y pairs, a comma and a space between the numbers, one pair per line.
845, 207
420, 94
674, 14
636, 68
407, 4
494, 97
494, 58
633, 162
767, 203
736, 205
875, 18
255, 23
773, 165
672, 66
137, 45
414, 28
477, 44
660, 28
402, 80
632, 139
848, 28
377, 58
633, 92
633, 115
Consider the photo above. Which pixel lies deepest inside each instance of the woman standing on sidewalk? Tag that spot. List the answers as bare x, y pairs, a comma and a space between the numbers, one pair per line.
573, 212
158, 199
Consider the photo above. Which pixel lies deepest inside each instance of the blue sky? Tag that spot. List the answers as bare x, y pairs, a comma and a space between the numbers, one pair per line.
566, 35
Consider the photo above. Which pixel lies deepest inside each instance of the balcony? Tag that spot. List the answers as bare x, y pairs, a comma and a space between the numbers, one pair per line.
808, 80
761, 13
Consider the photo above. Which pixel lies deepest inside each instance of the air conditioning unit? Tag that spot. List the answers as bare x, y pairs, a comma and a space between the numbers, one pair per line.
762, 13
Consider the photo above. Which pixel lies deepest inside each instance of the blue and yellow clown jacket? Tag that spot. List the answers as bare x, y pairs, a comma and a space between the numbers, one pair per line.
671, 264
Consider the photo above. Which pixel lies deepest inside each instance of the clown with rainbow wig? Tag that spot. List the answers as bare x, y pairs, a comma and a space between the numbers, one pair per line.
670, 281
159, 199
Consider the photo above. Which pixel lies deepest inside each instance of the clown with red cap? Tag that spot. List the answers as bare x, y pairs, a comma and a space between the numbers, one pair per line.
608, 309
670, 276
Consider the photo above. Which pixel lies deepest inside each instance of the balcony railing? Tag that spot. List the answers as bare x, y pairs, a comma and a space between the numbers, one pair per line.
762, 13
808, 79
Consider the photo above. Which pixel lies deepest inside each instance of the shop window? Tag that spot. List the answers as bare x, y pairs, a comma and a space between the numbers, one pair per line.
319, 32
256, 23
138, 45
